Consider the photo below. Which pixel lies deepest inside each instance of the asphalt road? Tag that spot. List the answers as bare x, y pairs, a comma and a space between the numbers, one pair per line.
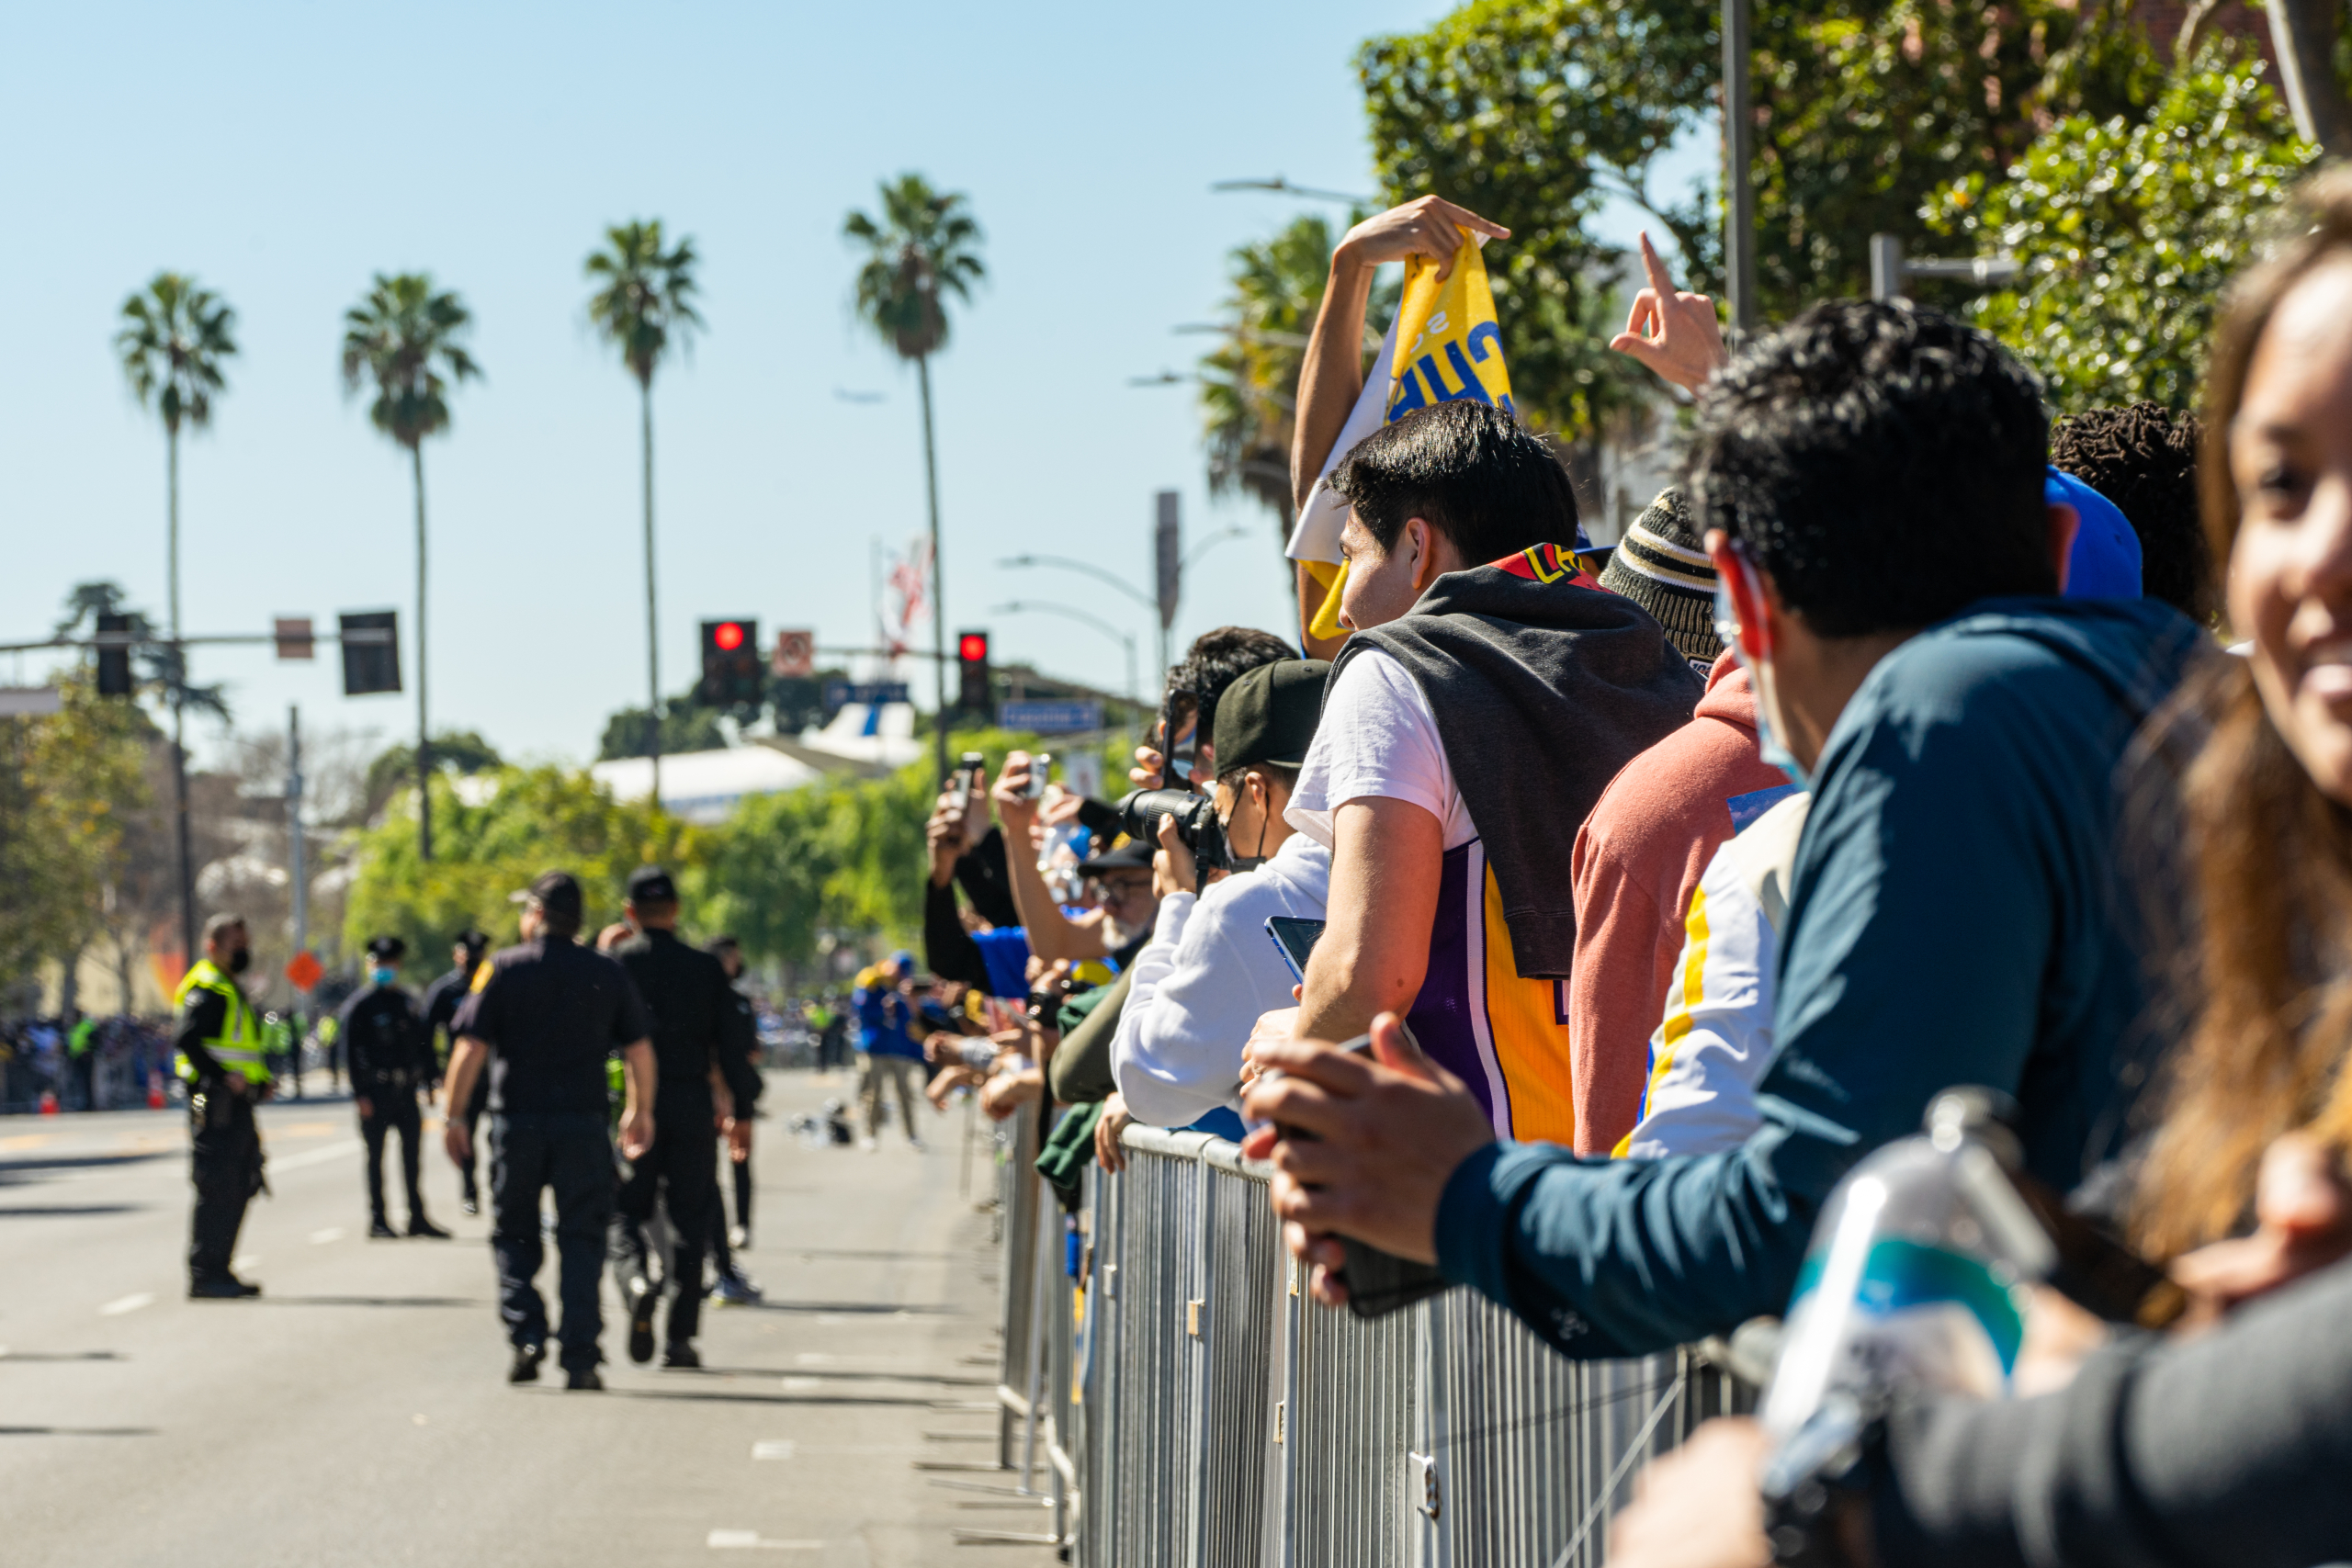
359, 1413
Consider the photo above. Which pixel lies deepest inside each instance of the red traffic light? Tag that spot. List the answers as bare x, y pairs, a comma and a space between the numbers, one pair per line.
972, 648
728, 635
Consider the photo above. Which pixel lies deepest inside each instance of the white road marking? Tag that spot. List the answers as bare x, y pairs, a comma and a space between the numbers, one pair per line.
332, 1233
803, 1385
315, 1157
815, 1359
128, 1304
773, 1448
754, 1539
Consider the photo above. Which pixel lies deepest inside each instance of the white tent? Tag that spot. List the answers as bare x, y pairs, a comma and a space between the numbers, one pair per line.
703, 786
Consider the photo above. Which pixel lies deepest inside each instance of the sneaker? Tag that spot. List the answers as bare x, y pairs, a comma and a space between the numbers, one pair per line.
582, 1377
221, 1288
917, 1145
733, 1290
526, 1362
378, 1230
740, 1239
680, 1357
469, 1205
642, 1299
419, 1225
868, 1145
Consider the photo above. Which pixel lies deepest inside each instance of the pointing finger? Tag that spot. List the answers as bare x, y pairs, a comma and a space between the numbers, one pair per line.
1659, 278
1471, 220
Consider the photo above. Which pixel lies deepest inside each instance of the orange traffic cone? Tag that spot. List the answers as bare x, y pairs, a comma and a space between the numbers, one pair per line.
154, 1091
48, 1103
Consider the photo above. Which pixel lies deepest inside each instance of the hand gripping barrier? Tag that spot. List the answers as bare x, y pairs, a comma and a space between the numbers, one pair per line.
1193, 1407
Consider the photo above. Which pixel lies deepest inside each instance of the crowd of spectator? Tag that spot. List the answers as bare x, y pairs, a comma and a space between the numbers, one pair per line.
1908, 740
79, 1062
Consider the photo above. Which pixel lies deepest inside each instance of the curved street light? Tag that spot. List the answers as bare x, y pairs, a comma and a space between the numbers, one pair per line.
1071, 612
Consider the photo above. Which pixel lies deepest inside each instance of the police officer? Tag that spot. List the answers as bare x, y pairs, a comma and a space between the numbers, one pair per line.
441, 1000
384, 1046
740, 1064
696, 1053
217, 1053
543, 1017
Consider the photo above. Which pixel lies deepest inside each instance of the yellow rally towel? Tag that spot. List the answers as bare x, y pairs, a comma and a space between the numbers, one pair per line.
1451, 348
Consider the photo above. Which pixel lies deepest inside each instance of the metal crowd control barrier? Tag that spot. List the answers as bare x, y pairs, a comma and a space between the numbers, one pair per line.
1190, 1406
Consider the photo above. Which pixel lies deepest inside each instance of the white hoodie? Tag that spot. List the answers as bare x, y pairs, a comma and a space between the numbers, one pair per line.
1201, 983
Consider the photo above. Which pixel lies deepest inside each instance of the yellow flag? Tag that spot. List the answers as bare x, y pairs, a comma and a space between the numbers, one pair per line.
1445, 345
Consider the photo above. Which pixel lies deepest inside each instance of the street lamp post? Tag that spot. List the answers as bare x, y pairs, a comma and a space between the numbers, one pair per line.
1071, 612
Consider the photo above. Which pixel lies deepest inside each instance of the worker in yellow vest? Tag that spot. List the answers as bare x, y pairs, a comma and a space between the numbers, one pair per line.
217, 1053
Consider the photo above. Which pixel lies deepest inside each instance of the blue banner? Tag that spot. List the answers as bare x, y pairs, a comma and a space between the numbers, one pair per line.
1049, 716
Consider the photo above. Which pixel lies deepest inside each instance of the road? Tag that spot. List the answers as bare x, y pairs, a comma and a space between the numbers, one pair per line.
359, 1413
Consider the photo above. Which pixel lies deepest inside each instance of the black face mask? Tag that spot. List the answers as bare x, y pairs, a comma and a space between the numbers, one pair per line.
240, 959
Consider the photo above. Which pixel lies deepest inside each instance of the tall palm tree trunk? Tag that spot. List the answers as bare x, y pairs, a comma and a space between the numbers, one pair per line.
179, 707
424, 745
938, 575
652, 635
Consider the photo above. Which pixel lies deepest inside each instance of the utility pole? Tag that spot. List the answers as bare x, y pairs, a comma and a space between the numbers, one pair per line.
1739, 160
1167, 561
294, 869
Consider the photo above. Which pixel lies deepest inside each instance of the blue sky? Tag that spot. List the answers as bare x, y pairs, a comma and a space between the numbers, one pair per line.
284, 153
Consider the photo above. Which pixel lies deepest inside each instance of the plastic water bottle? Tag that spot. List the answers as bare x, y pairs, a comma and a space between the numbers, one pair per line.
1917, 1277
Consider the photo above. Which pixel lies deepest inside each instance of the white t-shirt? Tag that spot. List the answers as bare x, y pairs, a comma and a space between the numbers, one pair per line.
1376, 737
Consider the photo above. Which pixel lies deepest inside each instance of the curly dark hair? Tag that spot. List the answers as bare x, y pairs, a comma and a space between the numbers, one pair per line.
1882, 461
2143, 458
1216, 661
1470, 471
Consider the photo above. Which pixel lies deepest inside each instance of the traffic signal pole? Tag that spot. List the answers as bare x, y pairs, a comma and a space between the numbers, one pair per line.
294, 869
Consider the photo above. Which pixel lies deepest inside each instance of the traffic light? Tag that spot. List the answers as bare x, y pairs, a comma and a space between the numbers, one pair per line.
371, 652
114, 659
731, 676
972, 668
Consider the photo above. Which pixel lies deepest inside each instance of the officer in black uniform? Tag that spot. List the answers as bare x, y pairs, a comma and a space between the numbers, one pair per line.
693, 1008
217, 1052
544, 1018
386, 1050
740, 1063
441, 1001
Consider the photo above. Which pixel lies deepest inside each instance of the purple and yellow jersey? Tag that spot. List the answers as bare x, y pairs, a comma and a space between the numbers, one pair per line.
1504, 1036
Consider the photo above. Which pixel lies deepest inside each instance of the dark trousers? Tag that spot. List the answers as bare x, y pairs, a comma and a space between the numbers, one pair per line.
224, 1161
682, 1169
573, 1155
395, 1110
722, 1255
476, 1103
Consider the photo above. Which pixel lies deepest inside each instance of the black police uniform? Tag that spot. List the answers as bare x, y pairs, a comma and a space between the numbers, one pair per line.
224, 1147
739, 1060
551, 1013
692, 1007
442, 1000
384, 1046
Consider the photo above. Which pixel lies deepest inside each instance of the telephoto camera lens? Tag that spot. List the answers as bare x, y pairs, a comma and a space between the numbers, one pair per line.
1197, 823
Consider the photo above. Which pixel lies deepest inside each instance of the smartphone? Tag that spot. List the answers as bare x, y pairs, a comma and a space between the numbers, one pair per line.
1294, 938
1040, 766
966, 780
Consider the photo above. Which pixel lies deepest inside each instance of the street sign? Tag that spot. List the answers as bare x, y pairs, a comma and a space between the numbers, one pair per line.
1041, 716
840, 694
796, 654
294, 639
30, 702
305, 970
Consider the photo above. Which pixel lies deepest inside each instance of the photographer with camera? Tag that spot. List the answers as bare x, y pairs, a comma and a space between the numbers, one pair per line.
1225, 864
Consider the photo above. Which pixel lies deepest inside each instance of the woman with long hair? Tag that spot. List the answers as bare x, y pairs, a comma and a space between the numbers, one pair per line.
2231, 1446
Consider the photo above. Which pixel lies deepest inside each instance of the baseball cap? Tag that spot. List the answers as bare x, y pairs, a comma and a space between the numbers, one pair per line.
2105, 561
557, 892
1128, 856
390, 949
1661, 564
1268, 714
651, 884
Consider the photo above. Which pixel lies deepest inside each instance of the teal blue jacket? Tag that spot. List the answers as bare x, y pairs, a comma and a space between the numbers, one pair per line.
1958, 915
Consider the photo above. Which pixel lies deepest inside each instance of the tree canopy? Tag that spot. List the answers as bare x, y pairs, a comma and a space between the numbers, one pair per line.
408, 338
925, 247
176, 336
644, 304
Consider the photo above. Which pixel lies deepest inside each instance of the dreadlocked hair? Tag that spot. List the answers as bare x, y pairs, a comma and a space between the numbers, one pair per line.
2143, 458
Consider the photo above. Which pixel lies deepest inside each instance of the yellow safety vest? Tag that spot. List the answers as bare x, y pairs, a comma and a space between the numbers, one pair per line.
238, 1045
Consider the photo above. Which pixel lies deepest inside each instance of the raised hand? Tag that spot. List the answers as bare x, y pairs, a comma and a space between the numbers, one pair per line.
1672, 330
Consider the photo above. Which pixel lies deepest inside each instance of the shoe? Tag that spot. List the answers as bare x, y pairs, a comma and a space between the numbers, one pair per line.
419, 1225
680, 1357
733, 1290
379, 1231
526, 1362
221, 1288
868, 1145
642, 1299
917, 1145
469, 1205
740, 1239
582, 1377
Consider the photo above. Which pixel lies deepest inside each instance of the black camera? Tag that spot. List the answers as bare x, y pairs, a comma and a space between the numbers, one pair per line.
1196, 826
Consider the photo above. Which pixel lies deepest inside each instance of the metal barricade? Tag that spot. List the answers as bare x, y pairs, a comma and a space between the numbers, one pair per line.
1199, 1410
1019, 1192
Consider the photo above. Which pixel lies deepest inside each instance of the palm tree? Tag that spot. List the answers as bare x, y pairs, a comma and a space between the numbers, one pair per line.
406, 339
645, 303
176, 335
925, 248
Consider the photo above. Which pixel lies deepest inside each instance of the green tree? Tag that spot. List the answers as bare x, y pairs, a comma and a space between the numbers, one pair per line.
175, 340
2130, 234
408, 339
70, 782
925, 247
461, 752
686, 726
644, 306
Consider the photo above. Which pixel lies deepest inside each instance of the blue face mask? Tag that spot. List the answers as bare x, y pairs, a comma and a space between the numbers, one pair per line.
1767, 744
383, 975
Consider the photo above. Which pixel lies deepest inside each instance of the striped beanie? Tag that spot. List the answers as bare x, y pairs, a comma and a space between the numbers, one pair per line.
1660, 565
